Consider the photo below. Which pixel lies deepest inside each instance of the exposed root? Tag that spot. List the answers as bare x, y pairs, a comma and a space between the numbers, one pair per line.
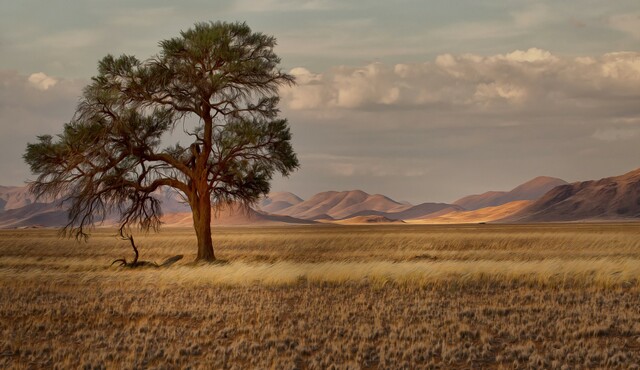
123, 262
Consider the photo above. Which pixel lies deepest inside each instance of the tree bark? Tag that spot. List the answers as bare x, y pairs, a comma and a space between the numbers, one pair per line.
202, 225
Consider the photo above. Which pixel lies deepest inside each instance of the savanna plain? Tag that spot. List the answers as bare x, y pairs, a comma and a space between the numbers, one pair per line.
314, 297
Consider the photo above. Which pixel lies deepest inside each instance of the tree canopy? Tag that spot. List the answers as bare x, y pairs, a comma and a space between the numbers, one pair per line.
219, 83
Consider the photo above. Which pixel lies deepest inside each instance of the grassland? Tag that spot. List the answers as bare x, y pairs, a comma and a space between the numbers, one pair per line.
405, 296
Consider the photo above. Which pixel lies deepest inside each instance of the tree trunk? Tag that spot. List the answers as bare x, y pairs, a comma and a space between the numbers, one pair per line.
202, 225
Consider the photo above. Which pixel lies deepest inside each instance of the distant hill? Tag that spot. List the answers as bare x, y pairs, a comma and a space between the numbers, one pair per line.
530, 190
611, 198
40, 214
278, 201
13, 197
487, 214
231, 216
341, 204
542, 199
418, 211
363, 220
19, 208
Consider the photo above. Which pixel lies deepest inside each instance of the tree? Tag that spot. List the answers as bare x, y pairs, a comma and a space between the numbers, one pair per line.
219, 81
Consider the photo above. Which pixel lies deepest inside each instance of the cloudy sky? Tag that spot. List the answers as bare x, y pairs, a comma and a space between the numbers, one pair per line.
418, 100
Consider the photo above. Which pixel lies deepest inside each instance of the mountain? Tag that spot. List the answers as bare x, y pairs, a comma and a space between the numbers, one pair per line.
33, 214
530, 190
487, 214
233, 216
19, 208
611, 198
341, 204
543, 199
13, 197
278, 201
418, 211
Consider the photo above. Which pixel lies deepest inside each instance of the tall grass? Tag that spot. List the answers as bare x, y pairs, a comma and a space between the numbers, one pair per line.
594, 253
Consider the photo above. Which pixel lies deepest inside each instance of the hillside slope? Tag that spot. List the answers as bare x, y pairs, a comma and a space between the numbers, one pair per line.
487, 214
530, 190
232, 216
342, 204
417, 211
611, 198
278, 201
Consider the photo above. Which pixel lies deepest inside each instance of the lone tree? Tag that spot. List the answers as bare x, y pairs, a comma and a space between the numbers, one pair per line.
219, 82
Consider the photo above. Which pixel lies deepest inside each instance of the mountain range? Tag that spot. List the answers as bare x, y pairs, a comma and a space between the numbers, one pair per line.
611, 198
530, 190
542, 199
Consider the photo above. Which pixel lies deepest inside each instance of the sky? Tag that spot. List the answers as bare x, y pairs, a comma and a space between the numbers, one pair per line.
418, 100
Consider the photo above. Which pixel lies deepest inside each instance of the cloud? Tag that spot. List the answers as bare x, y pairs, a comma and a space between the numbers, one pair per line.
41, 81
523, 80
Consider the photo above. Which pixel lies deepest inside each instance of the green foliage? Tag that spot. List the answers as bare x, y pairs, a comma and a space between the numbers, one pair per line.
110, 158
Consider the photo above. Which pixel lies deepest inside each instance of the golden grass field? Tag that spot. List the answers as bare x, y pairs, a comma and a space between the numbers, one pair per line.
402, 296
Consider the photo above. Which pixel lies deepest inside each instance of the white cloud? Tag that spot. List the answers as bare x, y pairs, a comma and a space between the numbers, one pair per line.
621, 66
532, 55
41, 81
520, 80
313, 94
492, 91
304, 76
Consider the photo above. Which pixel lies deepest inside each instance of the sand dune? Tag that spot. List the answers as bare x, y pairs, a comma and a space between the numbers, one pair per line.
233, 216
367, 220
342, 204
487, 214
418, 211
278, 201
530, 190
323, 216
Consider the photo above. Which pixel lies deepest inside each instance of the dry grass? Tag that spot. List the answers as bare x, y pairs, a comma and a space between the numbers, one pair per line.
477, 296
